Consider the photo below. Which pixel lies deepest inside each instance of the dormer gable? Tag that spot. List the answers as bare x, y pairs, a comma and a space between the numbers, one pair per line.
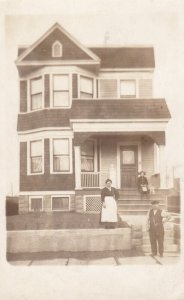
58, 39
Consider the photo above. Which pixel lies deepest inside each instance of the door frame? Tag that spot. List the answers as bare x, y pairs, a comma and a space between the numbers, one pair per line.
139, 158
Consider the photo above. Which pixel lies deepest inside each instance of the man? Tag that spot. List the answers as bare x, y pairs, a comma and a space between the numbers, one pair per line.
155, 219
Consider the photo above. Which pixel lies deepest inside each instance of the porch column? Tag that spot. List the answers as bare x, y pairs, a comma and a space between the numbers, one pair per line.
162, 166
77, 167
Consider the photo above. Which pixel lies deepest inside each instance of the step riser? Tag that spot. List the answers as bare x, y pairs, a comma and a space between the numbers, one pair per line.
167, 241
136, 207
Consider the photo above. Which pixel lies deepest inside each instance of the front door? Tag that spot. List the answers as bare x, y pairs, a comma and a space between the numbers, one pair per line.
128, 163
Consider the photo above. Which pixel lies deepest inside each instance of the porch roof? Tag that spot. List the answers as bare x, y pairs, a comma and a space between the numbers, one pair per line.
120, 109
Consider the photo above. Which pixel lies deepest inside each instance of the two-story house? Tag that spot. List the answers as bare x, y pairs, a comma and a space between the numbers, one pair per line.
86, 114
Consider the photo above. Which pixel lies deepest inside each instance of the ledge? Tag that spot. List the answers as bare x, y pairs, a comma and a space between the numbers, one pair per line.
69, 240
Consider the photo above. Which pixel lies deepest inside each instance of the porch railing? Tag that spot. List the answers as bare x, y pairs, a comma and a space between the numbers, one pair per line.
90, 179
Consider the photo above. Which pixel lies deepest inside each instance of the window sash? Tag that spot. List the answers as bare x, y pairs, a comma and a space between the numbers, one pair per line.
86, 86
88, 156
127, 88
36, 101
36, 156
61, 163
61, 82
61, 147
36, 86
36, 164
61, 98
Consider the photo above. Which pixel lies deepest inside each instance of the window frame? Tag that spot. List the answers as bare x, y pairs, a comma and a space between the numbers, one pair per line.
60, 50
61, 196
52, 90
35, 197
29, 95
29, 157
93, 86
70, 171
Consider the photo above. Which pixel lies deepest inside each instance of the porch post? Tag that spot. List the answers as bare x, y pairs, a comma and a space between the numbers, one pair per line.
162, 166
77, 167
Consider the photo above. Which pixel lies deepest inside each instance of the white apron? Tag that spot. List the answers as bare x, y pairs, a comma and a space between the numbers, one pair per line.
109, 213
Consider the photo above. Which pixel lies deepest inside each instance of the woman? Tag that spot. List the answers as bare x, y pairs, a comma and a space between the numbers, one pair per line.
142, 184
109, 196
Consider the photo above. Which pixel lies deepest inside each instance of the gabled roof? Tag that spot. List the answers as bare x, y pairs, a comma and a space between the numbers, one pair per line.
125, 57
38, 51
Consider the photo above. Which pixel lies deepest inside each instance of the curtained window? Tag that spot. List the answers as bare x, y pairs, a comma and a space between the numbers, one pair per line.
87, 156
36, 156
61, 155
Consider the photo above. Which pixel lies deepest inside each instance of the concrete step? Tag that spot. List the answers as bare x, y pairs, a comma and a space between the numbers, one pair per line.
138, 200
167, 248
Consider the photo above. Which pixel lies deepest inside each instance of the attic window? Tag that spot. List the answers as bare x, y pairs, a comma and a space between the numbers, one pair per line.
57, 49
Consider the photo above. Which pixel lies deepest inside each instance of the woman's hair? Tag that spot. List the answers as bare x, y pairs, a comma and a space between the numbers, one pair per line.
108, 180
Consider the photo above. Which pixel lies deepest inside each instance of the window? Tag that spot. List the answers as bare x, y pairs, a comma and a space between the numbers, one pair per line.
36, 156
36, 93
128, 157
86, 87
108, 88
60, 203
60, 90
61, 155
57, 49
87, 156
36, 203
127, 88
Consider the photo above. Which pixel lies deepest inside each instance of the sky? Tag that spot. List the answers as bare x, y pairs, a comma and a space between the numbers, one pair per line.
127, 24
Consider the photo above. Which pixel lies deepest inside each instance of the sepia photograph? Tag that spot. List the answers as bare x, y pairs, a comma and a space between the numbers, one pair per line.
94, 137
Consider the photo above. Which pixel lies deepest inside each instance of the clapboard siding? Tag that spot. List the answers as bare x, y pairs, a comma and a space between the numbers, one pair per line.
148, 158
145, 88
108, 157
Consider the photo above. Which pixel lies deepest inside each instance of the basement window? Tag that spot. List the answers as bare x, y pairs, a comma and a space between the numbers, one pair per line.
36, 203
60, 203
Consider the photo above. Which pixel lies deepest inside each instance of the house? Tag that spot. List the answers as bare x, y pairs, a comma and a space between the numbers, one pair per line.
86, 114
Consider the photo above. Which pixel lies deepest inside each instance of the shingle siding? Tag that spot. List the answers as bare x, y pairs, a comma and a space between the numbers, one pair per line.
23, 96
43, 118
74, 86
145, 88
47, 90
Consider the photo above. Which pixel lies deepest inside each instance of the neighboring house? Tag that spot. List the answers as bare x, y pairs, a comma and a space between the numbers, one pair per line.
86, 114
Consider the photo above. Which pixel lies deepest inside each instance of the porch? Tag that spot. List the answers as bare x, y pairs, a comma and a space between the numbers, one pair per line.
119, 156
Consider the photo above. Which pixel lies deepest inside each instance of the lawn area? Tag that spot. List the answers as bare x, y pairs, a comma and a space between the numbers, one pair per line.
56, 220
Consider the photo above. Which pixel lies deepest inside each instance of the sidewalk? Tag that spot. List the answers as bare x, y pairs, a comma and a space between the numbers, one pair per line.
92, 259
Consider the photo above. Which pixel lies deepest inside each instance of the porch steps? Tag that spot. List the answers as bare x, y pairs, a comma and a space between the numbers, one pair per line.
130, 202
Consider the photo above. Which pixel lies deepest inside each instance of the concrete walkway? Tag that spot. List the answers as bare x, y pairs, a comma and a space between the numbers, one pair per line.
106, 261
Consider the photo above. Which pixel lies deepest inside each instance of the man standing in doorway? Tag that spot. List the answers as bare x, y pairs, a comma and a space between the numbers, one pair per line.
155, 219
